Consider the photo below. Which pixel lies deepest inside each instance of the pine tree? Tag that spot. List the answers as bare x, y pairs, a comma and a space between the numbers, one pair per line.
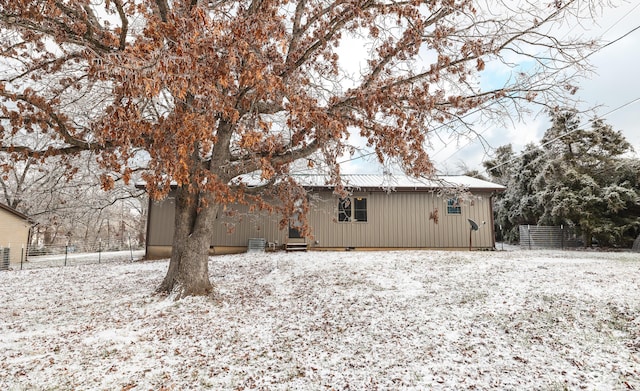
579, 179
519, 203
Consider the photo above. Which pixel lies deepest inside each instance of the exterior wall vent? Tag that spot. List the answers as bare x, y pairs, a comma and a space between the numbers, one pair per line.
256, 245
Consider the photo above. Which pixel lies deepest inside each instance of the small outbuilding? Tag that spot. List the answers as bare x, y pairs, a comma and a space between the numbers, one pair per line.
15, 228
380, 212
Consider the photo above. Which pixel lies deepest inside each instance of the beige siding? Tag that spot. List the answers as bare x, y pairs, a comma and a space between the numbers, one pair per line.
14, 233
394, 220
401, 220
236, 225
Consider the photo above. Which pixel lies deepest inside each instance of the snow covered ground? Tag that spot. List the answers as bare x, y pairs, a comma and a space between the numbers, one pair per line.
413, 320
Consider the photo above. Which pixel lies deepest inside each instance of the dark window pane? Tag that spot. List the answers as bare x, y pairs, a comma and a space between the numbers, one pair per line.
360, 209
294, 226
453, 207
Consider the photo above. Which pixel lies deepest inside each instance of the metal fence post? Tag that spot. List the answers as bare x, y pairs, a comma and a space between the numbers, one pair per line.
21, 257
130, 249
99, 250
66, 252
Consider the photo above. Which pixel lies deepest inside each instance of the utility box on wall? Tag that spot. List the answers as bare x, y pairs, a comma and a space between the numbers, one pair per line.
5, 253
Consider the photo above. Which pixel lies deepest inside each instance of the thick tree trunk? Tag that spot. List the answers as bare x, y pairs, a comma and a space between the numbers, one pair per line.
188, 273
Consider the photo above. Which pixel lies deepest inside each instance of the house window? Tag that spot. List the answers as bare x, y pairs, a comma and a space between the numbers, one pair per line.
344, 209
360, 209
453, 207
352, 209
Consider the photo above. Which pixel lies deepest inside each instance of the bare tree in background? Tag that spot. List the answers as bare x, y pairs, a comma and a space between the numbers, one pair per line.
72, 208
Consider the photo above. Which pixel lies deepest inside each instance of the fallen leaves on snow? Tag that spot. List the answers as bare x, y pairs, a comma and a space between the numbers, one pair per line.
387, 320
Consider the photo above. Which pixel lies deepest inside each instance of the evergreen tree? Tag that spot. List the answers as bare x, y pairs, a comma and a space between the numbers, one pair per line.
518, 204
578, 178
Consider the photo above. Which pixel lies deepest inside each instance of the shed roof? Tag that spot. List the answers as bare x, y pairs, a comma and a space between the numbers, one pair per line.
401, 182
14, 212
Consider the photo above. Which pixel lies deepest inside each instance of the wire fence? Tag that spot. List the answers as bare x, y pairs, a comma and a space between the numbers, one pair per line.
544, 237
19, 257
83, 247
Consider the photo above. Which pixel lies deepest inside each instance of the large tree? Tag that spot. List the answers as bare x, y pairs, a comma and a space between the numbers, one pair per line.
579, 177
585, 180
519, 203
200, 93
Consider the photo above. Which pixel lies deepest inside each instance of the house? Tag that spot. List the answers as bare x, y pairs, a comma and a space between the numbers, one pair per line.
15, 229
380, 212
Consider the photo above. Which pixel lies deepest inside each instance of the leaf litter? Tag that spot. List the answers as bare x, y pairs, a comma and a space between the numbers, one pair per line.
403, 320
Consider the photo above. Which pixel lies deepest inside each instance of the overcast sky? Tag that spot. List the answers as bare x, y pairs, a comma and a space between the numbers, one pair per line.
612, 88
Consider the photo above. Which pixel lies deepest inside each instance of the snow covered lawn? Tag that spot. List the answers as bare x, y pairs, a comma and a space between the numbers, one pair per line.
314, 321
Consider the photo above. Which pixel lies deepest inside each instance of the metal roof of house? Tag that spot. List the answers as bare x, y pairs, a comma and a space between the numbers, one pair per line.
400, 182
380, 182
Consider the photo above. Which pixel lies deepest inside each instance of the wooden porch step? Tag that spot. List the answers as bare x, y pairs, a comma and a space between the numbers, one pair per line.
296, 247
